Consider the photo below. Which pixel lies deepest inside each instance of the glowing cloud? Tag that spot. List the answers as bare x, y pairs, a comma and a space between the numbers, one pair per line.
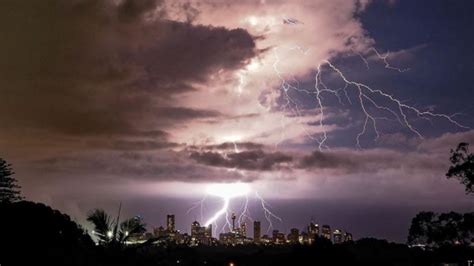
228, 190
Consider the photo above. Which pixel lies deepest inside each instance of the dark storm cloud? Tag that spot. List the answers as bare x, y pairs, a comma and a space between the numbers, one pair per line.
129, 10
131, 145
246, 160
136, 161
133, 166
182, 113
320, 159
427, 156
345, 161
95, 67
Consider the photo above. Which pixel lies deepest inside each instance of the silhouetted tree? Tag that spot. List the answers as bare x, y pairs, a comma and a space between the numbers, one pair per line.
421, 229
132, 227
441, 229
448, 228
9, 190
462, 166
467, 227
34, 234
102, 225
109, 230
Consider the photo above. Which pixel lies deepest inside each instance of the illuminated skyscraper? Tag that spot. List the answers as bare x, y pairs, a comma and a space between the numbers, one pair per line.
256, 231
313, 232
200, 235
195, 226
304, 238
347, 237
208, 231
313, 229
326, 232
274, 235
159, 232
227, 238
243, 230
293, 236
170, 223
337, 236
278, 237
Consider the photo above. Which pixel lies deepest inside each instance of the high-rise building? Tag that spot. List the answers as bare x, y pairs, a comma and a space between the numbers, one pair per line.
256, 231
265, 239
208, 231
294, 235
326, 231
233, 222
170, 223
347, 237
304, 238
200, 234
274, 235
227, 238
313, 232
159, 232
243, 230
337, 236
278, 237
313, 229
195, 226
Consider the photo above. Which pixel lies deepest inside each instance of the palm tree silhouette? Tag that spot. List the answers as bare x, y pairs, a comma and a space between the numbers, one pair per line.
109, 230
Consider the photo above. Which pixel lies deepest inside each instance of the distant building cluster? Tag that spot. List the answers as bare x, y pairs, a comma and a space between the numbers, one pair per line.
307, 237
237, 235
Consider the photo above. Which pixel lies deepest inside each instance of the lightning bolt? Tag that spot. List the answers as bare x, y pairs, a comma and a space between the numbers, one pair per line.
236, 148
287, 86
240, 86
197, 204
384, 59
244, 213
365, 95
381, 57
267, 213
220, 212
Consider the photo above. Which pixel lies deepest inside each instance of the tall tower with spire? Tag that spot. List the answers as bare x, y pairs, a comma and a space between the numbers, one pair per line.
233, 222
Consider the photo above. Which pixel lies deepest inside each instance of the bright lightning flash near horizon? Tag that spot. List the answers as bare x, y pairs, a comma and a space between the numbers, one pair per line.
227, 192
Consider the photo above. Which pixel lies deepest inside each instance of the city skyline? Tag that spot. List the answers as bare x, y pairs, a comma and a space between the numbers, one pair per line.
237, 234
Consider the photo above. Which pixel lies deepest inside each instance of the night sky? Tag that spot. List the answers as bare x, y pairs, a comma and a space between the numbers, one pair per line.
149, 102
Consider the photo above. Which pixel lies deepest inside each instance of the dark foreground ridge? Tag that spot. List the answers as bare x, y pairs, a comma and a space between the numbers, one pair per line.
34, 234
